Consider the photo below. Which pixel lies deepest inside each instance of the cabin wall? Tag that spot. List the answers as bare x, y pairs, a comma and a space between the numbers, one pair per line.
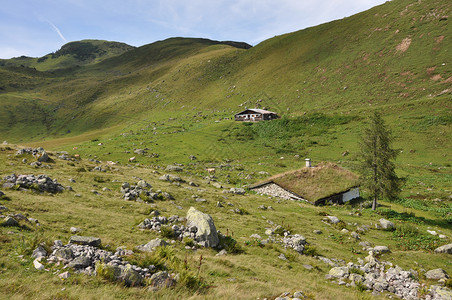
351, 194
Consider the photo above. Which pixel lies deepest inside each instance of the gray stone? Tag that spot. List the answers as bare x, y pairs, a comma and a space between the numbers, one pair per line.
222, 253
37, 264
80, 262
217, 185
85, 240
162, 279
206, 227
255, 236
65, 275
355, 235
75, 229
316, 231
64, 253
173, 168
338, 272
282, 257
11, 222
381, 249
130, 277
39, 252
436, 274
238, 191
444, 249
151, 245
308, 267
333, 219
387, 225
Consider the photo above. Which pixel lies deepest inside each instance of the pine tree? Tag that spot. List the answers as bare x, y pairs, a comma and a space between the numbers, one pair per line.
377, 161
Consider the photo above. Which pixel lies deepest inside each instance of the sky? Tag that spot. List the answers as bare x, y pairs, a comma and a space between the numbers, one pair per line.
35, 28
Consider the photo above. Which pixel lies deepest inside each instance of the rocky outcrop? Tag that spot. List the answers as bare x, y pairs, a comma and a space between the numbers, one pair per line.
206, 231
39, 153
436, 274
41, 183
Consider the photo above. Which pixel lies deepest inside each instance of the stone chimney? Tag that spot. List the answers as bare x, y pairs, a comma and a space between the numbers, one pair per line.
308, 162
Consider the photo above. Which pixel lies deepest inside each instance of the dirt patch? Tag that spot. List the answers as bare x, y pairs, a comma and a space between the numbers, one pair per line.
439, 39
407, 73
448, 80
436, 77
404, 45
430, 70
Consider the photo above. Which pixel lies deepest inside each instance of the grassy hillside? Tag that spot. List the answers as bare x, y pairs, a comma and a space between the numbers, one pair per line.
172, 103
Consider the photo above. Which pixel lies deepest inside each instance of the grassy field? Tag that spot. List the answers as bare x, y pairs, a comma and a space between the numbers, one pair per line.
256, 272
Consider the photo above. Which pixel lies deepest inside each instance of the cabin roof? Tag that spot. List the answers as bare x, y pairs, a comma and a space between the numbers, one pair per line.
314, 183
257, 110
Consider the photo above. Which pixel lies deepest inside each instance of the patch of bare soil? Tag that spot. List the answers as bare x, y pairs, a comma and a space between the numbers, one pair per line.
404, 45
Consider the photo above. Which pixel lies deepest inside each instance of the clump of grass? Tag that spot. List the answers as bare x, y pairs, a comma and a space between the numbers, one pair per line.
230, 245
360, 286
340, 225
27, 244
99, 179
448, 283
167, 232
106, 272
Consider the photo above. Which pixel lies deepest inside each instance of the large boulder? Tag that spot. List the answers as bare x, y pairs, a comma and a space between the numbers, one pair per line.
207, 231
332, 219
85, 240
436, 274
387, 225
444, 249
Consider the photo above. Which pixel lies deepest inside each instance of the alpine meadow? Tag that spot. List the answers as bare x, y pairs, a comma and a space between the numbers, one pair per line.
125, 172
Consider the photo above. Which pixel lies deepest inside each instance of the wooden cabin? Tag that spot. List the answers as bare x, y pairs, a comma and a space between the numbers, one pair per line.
255, 115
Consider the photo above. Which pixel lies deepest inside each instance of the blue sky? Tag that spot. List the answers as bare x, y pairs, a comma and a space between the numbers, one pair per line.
35, 28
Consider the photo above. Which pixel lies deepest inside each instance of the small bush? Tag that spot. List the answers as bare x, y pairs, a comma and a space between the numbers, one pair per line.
189, 242
357, 271
80, 169
361, 286
448, 283
105, 271
310, 250
99, 179
254, 243
341, 225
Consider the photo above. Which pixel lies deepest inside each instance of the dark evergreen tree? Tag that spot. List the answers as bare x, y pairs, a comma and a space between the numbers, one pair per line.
377, 161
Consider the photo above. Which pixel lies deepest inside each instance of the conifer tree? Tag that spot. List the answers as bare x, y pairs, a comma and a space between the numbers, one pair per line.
377, 161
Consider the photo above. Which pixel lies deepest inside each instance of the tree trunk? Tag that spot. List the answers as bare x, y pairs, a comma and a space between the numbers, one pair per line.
374, 203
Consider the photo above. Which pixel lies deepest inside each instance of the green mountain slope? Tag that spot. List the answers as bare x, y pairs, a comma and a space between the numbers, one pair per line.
393, 56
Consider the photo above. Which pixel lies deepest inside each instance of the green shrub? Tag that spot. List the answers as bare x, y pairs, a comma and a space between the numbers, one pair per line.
99, 179
105, 271
448, 283
407, 237
254, 243
310, 250
356, 271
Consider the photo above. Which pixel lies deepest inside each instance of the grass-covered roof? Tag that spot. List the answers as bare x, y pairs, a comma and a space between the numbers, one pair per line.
318, 182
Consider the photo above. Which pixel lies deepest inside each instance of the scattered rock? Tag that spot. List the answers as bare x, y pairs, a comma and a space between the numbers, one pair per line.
75, 229
222, 253
39, 252
444, 249
151, 245
85, 240
381, 249
41, 183
173, 168
238, 191
11, 222
37, 264
282, 257
386, 225
80, 262
332, 219
65, 275
162, 280
339, 272
316, 231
